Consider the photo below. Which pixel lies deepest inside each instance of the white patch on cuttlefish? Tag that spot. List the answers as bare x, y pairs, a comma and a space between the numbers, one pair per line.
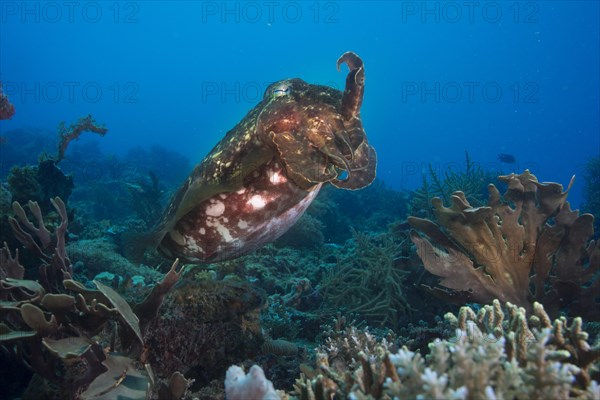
242, 224
202, 231
257, 202
276, 178
216, 209
224, 232
192, 245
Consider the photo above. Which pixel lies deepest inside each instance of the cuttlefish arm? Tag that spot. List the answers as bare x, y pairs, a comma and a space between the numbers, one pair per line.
360, 178
362, 164
319, 136
355, 85
305, 165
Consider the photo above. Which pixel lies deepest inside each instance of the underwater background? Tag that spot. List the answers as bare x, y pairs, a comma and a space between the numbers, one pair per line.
456, 94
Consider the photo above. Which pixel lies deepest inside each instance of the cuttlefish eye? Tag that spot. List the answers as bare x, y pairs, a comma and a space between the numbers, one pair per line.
281, 90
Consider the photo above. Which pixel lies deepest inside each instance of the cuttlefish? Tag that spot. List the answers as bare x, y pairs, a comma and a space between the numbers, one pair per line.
261, 177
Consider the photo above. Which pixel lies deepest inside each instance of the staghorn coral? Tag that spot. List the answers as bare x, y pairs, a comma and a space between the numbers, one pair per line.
569, 343
531, 238
370, 281
480, 361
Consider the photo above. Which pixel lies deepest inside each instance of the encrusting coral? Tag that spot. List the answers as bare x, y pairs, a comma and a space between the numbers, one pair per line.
528, 239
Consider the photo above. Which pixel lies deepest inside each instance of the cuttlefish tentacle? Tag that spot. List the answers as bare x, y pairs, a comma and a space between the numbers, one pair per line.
359, 178
355, 85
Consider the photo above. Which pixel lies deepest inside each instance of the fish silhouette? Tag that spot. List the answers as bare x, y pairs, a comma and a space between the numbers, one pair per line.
507, 158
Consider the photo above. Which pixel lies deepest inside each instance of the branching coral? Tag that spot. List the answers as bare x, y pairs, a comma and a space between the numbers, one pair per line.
489, 357
531, 238
66, 135
370, 281
471, 181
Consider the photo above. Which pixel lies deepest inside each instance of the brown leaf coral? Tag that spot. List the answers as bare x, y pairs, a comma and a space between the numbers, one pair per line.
50, 326
527, 245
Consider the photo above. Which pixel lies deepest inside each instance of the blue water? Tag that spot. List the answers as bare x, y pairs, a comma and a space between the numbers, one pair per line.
442, 78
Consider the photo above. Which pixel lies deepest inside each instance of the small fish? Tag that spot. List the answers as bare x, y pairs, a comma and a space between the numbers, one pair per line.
507, 158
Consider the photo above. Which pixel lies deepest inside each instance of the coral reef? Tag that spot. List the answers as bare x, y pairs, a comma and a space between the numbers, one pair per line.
480, 361
591, 191
370, 281
7, 109
305, 234
101, 255
56, 326
529, 246
216, 323
471, 180
39, 183
67, 135
146, 199
254, 385
58, 348
24, 146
